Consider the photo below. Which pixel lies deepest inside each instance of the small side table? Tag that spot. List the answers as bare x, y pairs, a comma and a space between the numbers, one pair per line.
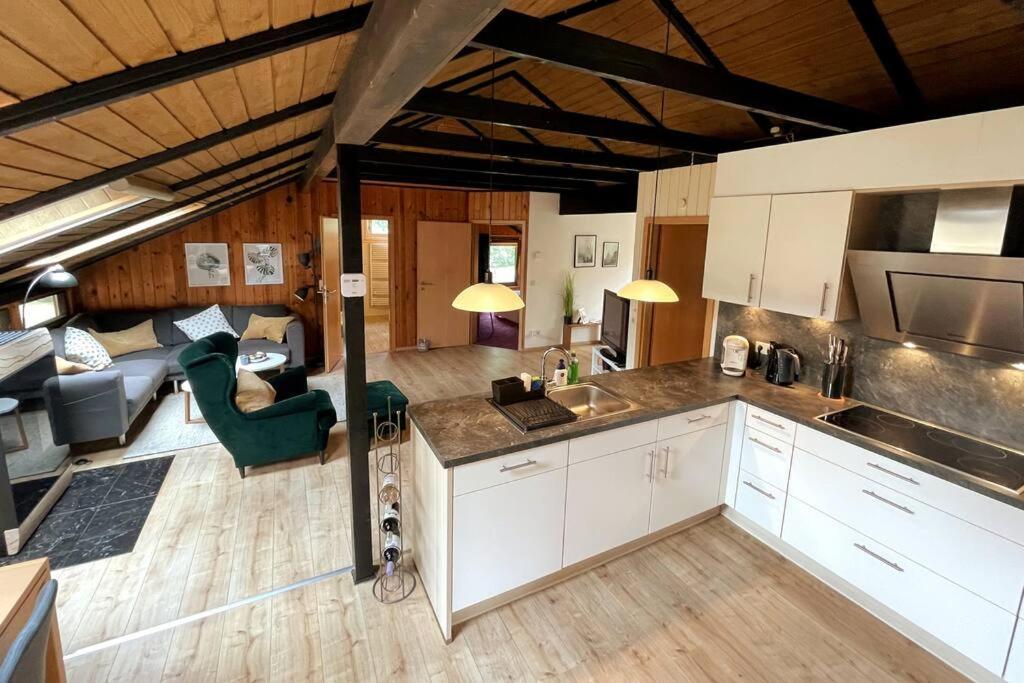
8, 406
186, 392
273, 361
567, 332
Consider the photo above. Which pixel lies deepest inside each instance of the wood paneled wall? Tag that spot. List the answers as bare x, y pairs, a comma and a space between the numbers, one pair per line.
152, 275
508, 206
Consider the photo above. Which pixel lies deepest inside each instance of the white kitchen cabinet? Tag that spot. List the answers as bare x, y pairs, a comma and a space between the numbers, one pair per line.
607, 502
612, 441
734, 260
1015, 662
506, 468
693, 421
965, 621
770, 423
760, 502
766, 458
805, 256
688, 476
506, 535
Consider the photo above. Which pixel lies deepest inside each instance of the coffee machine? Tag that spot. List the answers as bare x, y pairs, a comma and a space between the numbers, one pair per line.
734, 355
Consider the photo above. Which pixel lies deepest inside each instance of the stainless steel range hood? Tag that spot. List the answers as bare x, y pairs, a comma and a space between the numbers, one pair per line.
963, 296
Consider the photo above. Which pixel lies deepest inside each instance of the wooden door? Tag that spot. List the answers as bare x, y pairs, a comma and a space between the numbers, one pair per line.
735, 251
677, 330
444, 262
688, 476
330, 297
803, 263
607, 502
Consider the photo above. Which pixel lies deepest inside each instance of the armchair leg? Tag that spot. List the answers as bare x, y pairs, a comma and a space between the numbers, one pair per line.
241, 472
323, 457
175, 386
123, 439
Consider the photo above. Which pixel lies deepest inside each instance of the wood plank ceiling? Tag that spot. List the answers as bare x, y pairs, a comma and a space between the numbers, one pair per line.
961, 55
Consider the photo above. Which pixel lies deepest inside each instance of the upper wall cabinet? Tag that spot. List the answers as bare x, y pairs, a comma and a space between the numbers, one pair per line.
804, 262
734, 261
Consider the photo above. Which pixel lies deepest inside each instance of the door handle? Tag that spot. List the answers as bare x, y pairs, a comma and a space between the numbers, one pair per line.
750, 288
650, 465
668, 455
824, 298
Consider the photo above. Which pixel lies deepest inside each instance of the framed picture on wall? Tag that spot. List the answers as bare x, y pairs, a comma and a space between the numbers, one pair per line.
206, 264
584, 251
610, 255
263, 264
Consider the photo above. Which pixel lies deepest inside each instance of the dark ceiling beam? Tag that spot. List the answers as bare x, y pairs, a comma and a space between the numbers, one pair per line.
888, 54
528, 37
401, 46
134, 81
96, 180
504, 113
449, 178
633, 102
485, 166
528, 85
703, 50
242, 163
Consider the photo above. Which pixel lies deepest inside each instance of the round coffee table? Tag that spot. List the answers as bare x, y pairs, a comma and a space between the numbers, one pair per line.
186, 390
273, 361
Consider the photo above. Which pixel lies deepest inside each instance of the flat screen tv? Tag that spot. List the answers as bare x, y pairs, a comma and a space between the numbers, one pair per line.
615, 324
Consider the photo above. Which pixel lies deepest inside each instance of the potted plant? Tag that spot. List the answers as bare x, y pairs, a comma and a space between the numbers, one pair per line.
568, 298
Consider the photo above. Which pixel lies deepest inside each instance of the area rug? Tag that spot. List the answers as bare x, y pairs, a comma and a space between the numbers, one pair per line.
164, 429
101, 514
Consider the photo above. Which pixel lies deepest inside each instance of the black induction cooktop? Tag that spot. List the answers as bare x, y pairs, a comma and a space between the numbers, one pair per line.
1000, 466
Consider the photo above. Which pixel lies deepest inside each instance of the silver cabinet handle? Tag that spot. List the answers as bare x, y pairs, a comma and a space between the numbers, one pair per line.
762, 444
650, 465
700, 417
750, 288
768, 422
887, 501
824, 298
668, 454
894, 474
864, 549
509, 468
760, 490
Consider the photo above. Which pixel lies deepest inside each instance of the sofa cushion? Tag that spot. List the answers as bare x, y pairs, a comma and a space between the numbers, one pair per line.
153, 369
179, 314
82, 347
252, 393
161, 354
137, 390
112, 321
204, 323
140, 337
238, 316
261, 327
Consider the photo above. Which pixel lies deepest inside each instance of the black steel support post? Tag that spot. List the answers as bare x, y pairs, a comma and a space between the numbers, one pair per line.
350, 224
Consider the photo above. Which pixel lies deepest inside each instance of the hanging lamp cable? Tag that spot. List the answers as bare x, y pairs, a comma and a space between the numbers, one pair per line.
657, 171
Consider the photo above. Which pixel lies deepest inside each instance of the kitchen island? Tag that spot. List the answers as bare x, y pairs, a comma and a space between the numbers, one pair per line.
497, 514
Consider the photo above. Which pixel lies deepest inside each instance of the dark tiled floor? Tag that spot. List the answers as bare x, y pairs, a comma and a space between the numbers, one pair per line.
100, 515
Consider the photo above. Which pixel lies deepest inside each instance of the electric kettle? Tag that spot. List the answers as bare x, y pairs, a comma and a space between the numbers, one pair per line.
783, 365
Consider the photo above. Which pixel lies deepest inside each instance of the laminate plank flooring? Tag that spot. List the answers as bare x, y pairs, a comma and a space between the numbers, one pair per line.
710, 603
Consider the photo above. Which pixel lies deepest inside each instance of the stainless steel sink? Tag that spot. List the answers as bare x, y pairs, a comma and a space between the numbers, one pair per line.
590, 401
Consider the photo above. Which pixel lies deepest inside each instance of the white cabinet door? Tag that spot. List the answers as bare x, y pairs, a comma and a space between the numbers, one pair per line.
688, 476
1015, 663
970, 624
505, 536
760, 502
607, 502
734, 260
806, 253
766, 458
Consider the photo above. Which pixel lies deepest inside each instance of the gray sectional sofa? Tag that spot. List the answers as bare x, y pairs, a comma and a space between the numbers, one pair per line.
103, 404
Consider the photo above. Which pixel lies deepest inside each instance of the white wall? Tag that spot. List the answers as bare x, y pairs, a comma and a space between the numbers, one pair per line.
550, 258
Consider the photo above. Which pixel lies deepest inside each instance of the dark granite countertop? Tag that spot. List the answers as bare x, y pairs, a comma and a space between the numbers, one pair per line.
468, 429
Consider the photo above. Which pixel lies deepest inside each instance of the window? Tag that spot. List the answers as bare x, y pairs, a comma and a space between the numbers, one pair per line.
41, 311
376, 227
504, 259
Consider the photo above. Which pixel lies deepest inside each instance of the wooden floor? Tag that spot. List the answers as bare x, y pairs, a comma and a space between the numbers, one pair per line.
710, 603
378, 336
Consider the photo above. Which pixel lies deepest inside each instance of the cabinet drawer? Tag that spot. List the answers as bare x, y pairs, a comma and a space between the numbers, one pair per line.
760, 502
505, 536
988, 513
926, 535
506, 468
693, 420
770, 423
612, 441
974, 626
766, 458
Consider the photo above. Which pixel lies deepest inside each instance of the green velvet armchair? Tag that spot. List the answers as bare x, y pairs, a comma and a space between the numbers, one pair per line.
297, 424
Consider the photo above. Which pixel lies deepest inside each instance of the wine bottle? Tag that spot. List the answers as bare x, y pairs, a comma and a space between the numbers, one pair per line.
392, 548
389, 489
389, 520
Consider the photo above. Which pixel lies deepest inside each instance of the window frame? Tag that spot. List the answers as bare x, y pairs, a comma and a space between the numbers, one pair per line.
60, 307
498, 242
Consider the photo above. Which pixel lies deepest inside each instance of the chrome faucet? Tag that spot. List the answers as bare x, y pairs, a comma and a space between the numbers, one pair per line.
544, 363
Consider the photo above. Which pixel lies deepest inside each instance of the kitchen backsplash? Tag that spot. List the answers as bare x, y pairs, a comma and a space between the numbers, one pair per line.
973, 396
